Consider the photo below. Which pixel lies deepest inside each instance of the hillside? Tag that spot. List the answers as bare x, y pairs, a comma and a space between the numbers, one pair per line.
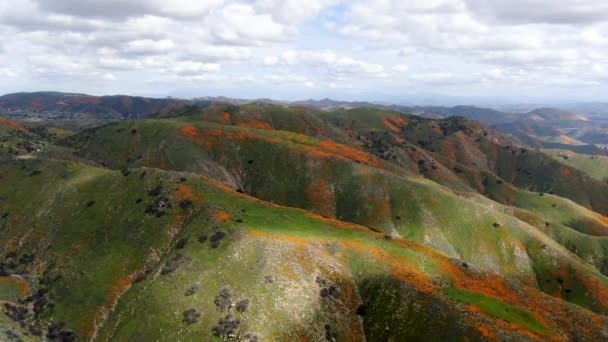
264, 222
595, 166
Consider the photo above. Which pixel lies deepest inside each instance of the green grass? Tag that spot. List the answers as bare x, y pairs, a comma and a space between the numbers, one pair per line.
595, 166
498, 309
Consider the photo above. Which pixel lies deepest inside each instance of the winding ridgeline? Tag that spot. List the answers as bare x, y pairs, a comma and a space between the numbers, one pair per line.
265, 222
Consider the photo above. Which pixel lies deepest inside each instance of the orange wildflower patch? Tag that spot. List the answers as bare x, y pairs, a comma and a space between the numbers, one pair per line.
226, 117
330, 147
393, 122
567, 172
485, 332
190, 132
491, 285
20, 284
222, 216
597, 289
13, 124
253, 121
184, 192
117, 290
319, 192
602, 219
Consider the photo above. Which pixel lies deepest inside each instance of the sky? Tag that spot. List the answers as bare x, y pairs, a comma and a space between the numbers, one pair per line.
400, 51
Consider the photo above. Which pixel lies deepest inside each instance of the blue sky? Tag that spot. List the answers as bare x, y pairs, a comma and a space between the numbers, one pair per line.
469, 51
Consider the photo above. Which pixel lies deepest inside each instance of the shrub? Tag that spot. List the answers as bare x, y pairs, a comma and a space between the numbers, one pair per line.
216, 238
173, 263
185, 204
330, 335
223, 300
141, 276
192, 289
361, 310
159, 207
57, 333
242, 305
155, 191
181, 243
227, 327
191, 316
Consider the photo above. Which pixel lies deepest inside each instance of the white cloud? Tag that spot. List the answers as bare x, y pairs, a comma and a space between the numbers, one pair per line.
193, 68
401, 67
284, 46
149, 46
241, 24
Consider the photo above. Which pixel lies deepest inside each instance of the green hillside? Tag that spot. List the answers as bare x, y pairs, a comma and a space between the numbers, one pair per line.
270, 223
595, 166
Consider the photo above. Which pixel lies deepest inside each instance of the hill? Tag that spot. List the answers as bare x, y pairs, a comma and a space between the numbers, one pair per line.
87, 109
267, 222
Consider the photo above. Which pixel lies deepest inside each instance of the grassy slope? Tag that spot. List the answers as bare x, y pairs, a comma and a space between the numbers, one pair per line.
98, 257
595, 166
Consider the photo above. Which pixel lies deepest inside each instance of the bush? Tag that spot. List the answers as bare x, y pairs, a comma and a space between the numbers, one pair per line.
191, 316
192, 289
155, 191
216, 238
159, 207
185, 204
227, 327
330, 335
173, 263
181, 243
141, 276
57, 333
223, 300
242, 305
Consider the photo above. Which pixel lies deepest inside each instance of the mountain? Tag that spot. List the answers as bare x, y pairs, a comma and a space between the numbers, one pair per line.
272, 222
87, 109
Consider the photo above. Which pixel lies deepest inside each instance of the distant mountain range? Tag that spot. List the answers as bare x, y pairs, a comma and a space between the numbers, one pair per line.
541, 127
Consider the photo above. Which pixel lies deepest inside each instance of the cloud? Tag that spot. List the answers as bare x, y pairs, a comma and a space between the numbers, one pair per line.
149, 46
401, 67
285, 46
336, 66
119, 9
540, 11
193, 68
241, 24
